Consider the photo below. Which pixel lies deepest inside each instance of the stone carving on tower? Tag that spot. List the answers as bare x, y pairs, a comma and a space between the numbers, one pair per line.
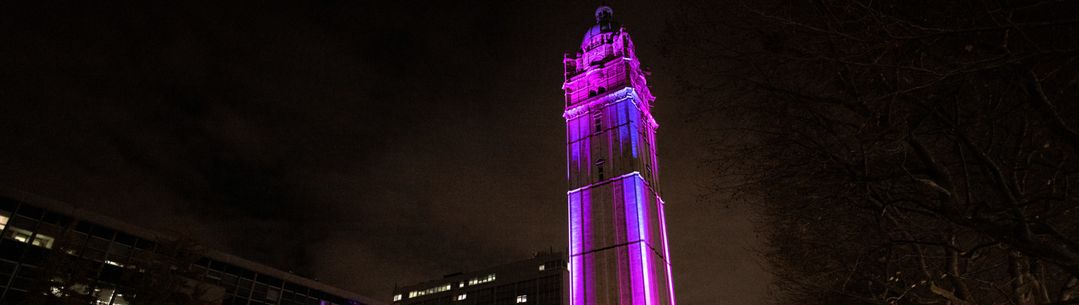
617, 229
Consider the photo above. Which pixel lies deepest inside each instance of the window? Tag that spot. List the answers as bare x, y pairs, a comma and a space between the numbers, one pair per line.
20, 235
396, 297
597, 119
25, 236
481, 280
462, 297
416, 293
542, 267
104, 296
522, 299
599, 168
118, 299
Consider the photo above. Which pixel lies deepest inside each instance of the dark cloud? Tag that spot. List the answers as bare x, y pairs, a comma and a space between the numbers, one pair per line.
362, 143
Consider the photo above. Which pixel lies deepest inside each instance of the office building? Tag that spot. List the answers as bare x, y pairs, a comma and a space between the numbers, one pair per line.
536, 281
51, 250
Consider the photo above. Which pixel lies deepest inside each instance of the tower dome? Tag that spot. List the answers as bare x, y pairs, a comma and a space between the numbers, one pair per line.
605, 23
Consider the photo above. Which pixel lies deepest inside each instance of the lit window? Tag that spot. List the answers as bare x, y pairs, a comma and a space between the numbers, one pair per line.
57, 291
396, 297
542, 267
482, 280
105, 296
119, 299
462, 297
25, 236
20, 234
522, 299
434, 290
43, 241
3, 220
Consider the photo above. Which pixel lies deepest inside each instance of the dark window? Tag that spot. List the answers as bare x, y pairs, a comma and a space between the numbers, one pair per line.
57, 219
84, 227
241, 272
10, 249
597, 118
24, 277
35, 256
14, 297
599, 168
145, 244
296, 288
219, 266
269, 280
102, 232
30, 211
8, 204
126, 239
110, 273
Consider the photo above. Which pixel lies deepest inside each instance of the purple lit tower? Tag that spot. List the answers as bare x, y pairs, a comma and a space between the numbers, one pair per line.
617, 231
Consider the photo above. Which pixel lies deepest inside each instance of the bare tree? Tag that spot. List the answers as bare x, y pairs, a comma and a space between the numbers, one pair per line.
899, 152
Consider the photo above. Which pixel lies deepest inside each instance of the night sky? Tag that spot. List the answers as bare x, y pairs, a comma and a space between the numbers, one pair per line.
364, 144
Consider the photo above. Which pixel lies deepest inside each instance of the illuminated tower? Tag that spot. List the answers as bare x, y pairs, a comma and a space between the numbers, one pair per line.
617, 231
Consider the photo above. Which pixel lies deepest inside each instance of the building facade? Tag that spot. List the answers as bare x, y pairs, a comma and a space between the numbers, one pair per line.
536, 281
51, 250
618, 252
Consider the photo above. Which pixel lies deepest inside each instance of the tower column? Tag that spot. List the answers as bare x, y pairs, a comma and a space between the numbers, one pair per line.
617, 227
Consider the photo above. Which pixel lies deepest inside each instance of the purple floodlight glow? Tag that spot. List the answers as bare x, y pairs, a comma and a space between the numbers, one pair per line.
575, 234
611, 225
666, 248
642, 226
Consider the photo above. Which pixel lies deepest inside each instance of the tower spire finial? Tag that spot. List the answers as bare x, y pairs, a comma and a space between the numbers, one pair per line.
604, 14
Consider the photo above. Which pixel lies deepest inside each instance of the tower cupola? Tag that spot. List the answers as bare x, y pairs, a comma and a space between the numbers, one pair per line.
605, 23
